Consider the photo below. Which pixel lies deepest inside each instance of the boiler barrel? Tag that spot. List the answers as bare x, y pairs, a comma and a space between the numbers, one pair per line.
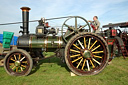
50, 43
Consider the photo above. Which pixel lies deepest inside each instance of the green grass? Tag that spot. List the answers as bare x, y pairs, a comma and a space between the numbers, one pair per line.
53, 72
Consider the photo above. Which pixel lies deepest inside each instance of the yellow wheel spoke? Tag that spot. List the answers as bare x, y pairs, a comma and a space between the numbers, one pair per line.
88, 65
15, 57
97, 56
84, 42
92, 64
24, 62
93, 44
79, 63
83, 64
74, 51
23, 66
19, 56
89, 43
76, 59
76, 46
98, 52
11, 64
75, 55
96, 61
16, 69
13, 67
12, 59
80, 44
95, 48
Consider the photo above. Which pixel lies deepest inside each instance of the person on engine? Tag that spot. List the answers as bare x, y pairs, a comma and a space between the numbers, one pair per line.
95, 24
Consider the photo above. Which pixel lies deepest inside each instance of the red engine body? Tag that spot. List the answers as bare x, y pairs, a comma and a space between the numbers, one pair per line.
113, 32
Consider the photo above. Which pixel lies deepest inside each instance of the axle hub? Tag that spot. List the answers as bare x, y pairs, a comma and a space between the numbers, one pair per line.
17, 63
86, 54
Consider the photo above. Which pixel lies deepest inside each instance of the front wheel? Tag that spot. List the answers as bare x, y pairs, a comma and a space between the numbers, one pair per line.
18, 62
86, 54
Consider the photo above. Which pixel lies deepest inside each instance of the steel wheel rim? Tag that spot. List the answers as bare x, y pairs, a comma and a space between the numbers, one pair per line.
18, 63
86, 65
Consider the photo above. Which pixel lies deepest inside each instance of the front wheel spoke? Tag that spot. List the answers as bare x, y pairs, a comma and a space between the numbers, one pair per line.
11, 64
15, 57
95, 48
79, 63
17, 69
88, 65
89, 43
97, 56
96, 61
12, 59
22, 58
13, 67
21, 68
92, 64
80, 44
98, 52
24, 66
19, 56
74, 56
83, 64
24, 62
93, 44
74, 51
77, 47
77, 59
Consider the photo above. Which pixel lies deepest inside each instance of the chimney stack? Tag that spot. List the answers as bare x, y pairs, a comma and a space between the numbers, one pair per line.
25, 20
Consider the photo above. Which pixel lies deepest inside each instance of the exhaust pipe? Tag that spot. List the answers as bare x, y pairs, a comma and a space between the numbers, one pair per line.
25, 20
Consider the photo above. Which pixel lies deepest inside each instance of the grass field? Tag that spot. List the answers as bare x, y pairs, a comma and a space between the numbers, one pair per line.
53, 72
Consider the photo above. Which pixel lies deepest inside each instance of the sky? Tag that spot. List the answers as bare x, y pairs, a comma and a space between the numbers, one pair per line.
108, 11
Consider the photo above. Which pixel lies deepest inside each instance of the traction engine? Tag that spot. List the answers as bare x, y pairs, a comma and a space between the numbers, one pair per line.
117, 39
85, 53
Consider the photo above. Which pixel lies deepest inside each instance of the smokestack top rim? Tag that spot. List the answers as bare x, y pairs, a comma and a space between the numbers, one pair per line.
25, 9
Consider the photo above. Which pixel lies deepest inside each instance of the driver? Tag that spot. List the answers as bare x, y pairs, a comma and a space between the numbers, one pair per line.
95, 24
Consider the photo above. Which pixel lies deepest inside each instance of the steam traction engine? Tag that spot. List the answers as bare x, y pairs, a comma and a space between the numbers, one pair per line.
85, 53
117, 39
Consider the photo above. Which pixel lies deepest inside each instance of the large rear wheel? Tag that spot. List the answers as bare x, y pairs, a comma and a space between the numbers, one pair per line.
86, 54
